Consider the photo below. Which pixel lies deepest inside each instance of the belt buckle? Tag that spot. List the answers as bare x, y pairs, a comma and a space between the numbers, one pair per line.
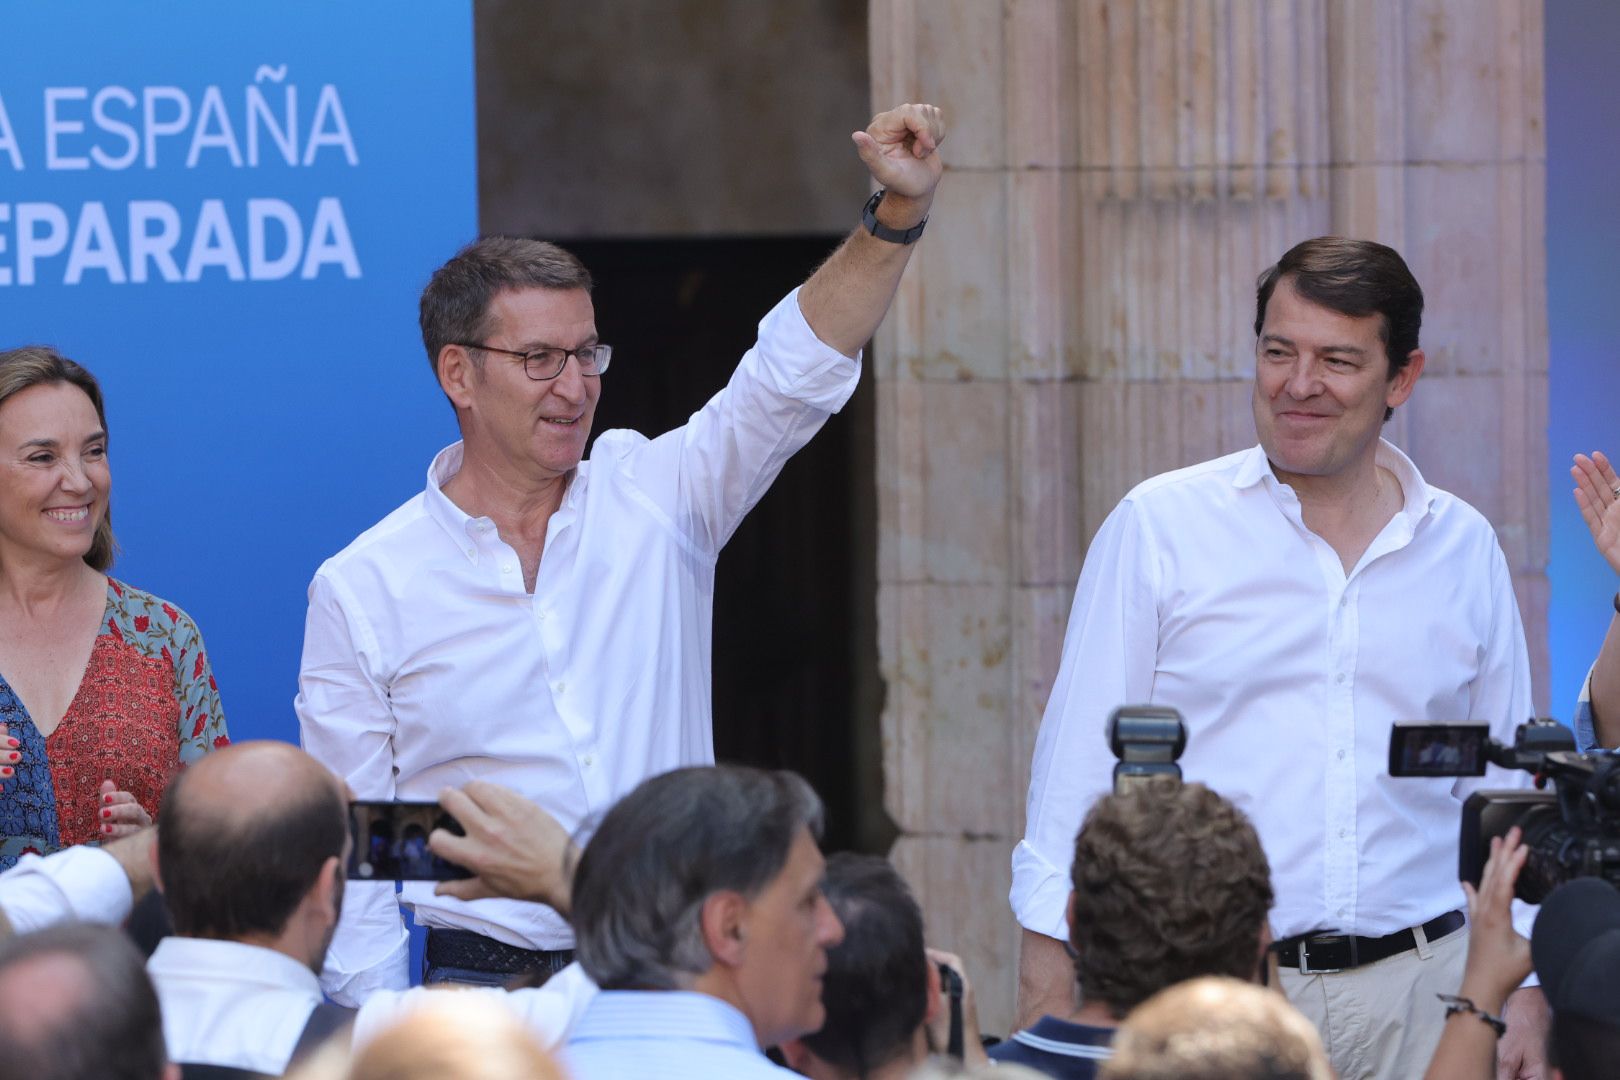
1346, 959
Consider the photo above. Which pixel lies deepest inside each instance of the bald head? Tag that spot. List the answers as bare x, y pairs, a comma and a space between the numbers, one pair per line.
246, 781
78, 1004
245, 834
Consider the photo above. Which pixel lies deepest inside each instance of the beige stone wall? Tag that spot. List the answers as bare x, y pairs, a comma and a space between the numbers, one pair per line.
1080, 317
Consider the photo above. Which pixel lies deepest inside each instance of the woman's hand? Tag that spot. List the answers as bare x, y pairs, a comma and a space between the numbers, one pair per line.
10, 756
121, 815
1595, 486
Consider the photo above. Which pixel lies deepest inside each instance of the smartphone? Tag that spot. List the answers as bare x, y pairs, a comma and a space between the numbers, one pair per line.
1438, 749
390, 842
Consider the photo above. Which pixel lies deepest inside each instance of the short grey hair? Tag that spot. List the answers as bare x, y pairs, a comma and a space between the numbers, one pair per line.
114, 1030
455, 305
664, 849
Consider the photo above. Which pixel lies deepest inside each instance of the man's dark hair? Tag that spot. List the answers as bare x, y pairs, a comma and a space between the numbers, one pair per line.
224, 877
876, 987
114, 1030
662, 850
1355, 278
455, 304
1170, 883
1582, 1048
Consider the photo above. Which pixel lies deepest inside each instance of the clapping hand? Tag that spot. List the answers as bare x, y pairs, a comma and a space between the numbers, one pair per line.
1597, 494
120, 815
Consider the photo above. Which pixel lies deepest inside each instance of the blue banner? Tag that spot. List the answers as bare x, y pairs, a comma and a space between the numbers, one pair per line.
227, 212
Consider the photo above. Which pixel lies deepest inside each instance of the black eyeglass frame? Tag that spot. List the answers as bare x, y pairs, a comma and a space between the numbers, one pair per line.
604, 356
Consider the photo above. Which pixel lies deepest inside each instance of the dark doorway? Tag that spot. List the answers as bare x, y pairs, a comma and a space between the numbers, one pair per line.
795, 646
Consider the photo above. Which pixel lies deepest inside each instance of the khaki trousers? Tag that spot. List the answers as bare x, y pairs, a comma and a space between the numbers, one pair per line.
1382, 1021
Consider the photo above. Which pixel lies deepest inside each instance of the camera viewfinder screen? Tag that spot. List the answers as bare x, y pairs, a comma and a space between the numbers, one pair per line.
1438, 750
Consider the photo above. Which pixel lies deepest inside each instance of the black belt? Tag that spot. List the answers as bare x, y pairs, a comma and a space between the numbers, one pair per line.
1320, 953
465, 949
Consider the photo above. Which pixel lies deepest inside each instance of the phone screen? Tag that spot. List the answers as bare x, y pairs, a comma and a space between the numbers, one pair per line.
391, 842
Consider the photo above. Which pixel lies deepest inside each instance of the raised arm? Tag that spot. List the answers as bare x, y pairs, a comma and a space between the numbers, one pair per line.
848, 296
1597, 495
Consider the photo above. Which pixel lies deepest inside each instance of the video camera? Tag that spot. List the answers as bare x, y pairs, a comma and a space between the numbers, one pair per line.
1571, 831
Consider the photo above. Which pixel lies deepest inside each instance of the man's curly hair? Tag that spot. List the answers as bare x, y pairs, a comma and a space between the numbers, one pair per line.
1170, 883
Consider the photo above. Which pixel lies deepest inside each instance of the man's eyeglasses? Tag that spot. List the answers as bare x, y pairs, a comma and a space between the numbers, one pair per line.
543, 364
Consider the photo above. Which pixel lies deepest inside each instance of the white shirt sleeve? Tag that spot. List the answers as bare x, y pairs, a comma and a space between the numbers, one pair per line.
80, 883
549, 1012
708, 473
1110, 653
1500, 696
345, 723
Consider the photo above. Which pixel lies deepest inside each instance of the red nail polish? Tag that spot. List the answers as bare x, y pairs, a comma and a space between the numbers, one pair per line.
106, 828
106, 813
106, 798
13, 756
13, 743
6, 770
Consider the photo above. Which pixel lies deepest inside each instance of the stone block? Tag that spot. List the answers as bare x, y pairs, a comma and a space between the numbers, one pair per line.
1043, 129
1369, 202
1453, 82
960, 270
1457, 244
966, 483
1044, 277
1367, 59
1454, 435
960, 64
946, 656
1046, 523
962, 885
901, 447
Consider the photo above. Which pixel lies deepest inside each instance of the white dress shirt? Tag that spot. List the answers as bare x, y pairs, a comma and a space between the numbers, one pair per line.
1204, 590
82, 883
426, 664
550, 1012
229, 1003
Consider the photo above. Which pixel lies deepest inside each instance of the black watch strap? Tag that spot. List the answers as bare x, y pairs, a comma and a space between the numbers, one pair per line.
883, 232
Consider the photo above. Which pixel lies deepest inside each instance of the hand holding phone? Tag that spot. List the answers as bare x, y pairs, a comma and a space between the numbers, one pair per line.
391, 842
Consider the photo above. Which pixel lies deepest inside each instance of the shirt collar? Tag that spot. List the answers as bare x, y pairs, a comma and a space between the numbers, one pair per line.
664, 1014
1255, 468
464, 529
235, 961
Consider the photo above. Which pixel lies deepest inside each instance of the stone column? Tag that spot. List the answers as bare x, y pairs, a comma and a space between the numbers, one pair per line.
1080, 317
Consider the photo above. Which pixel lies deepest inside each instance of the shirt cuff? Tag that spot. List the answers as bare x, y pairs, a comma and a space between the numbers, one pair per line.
1040, 893
799, 364
1585, 725
80, 883
351, 989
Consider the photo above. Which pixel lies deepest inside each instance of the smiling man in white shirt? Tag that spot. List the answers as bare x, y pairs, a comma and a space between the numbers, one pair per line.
1292, 601
543, 620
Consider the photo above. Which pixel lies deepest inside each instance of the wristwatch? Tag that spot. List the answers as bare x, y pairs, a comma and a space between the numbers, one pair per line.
883, 232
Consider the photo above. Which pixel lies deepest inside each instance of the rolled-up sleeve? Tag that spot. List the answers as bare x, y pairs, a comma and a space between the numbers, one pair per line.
82, 884
708, 473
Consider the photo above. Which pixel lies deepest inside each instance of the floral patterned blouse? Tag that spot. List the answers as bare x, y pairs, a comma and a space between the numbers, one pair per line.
147, 705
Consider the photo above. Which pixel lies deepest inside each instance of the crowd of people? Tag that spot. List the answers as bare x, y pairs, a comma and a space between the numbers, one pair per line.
526, 642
